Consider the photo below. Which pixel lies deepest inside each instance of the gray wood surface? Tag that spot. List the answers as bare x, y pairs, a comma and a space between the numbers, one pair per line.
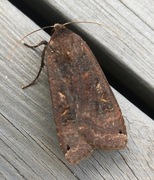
131, 21
130, 47
29, 147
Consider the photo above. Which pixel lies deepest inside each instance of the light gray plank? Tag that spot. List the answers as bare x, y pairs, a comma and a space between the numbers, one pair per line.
133, 24
131, 45
29, 147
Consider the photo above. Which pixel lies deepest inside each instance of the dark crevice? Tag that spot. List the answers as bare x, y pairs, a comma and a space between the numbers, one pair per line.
120, 77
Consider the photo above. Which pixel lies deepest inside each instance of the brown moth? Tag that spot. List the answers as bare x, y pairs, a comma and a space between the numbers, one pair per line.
86, 113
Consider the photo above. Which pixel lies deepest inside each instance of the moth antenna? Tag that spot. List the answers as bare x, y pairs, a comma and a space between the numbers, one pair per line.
65, 24
91, 22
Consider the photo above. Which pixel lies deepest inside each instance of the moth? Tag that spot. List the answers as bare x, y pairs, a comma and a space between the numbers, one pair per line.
86, 113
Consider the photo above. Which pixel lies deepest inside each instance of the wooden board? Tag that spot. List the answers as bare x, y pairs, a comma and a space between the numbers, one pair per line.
124, 47
29, 147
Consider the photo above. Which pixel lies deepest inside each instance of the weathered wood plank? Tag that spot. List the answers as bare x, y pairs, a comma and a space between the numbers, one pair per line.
133, 23
29, 147
126, 54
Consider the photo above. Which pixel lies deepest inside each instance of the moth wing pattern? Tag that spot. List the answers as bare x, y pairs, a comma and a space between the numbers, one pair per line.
86, 113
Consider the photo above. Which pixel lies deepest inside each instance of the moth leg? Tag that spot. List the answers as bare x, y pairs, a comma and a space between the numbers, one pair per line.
37, 45
42, 61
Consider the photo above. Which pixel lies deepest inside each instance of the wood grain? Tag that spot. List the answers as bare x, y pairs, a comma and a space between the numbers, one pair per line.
29, 147
124, 47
